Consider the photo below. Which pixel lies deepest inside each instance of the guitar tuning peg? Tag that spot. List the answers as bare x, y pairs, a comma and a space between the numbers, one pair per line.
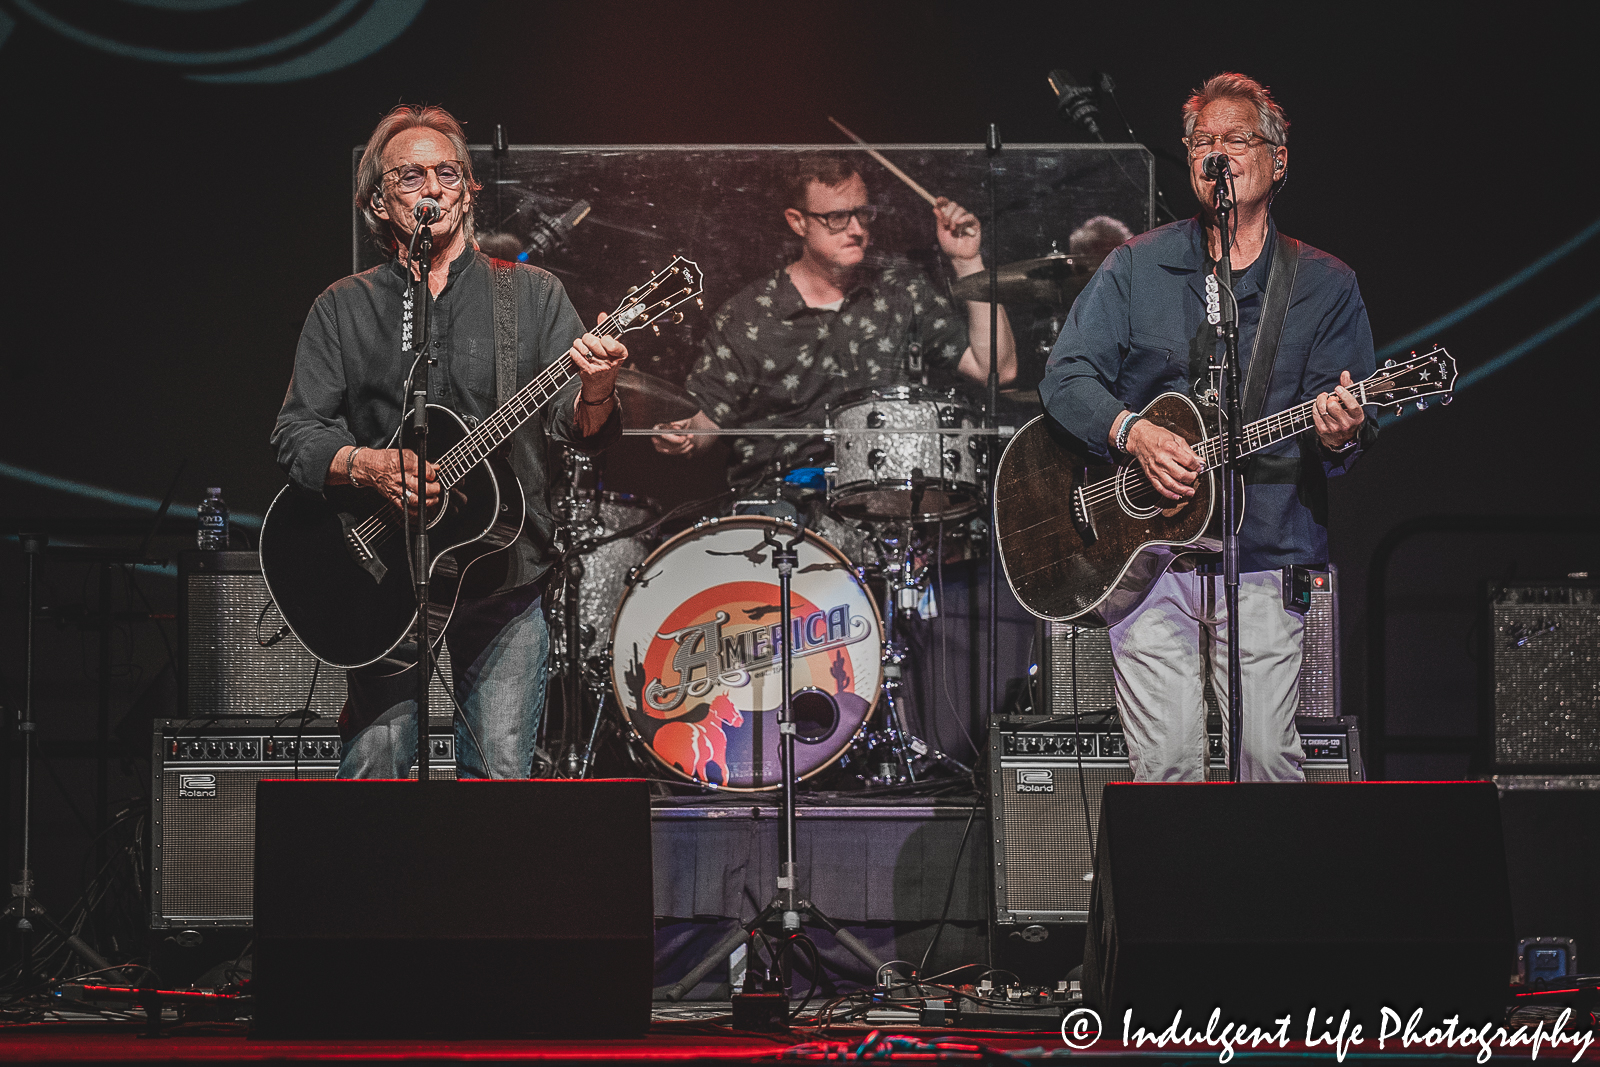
655, 329
677, 317
1399, 409
1422, 405
701, 304
1388, 363
1445, 400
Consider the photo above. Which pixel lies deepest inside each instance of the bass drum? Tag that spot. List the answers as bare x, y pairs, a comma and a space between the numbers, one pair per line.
695, 661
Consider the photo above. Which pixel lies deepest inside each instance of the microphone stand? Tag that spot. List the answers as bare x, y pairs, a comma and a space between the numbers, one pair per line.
992, 421
1228, 333
419, 546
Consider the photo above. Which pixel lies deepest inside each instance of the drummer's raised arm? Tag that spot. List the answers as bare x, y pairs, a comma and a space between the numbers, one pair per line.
961, 238
685, 444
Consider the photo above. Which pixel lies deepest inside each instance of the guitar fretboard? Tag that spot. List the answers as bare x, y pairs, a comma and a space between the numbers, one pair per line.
489, 434
1213, 451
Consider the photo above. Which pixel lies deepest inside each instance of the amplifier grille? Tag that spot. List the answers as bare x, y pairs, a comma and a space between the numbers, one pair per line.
229, 673
1319, 670
1546, 656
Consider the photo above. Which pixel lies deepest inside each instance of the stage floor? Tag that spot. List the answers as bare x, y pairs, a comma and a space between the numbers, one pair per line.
699, 1033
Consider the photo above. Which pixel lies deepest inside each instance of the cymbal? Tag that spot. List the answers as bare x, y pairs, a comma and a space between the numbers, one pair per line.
648, 401
1054, 279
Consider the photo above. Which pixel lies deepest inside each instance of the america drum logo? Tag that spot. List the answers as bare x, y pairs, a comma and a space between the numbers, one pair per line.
697, 646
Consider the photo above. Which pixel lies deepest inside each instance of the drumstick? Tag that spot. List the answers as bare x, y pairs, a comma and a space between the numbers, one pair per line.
965, 229
896, 171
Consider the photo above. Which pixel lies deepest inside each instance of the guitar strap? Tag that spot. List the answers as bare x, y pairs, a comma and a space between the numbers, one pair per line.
505, 349
1274, 307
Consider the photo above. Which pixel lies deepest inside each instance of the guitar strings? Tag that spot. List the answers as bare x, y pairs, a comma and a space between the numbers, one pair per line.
1257, 436
466, 454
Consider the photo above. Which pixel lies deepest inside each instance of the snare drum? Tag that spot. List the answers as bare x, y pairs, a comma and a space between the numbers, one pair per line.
695, 660
922, 476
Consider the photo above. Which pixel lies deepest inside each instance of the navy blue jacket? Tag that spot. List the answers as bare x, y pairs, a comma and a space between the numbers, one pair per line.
1139, 330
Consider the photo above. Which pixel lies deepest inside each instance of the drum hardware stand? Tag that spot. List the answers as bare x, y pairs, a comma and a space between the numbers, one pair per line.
788, 906
902, 581
574, 760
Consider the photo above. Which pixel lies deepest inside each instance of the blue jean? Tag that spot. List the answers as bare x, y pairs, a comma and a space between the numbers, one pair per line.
499, 648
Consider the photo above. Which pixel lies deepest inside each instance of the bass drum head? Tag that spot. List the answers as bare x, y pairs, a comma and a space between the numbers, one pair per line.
695, 660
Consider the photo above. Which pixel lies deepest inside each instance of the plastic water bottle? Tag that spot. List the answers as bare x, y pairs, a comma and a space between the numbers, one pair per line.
212, 534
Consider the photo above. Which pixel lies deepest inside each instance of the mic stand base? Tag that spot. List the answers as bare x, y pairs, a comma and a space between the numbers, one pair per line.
808, 915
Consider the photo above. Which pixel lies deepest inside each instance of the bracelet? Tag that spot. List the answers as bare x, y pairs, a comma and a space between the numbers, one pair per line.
1347, 446
597, 403
1123, 430
350, 463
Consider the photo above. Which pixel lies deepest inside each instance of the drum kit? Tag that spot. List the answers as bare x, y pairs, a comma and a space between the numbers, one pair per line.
678, 640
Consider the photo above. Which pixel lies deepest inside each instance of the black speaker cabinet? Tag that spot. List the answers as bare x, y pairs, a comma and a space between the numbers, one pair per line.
1544, 655
464, 908
1075, 662
1040, 824
234, 662
203, 805
1268, 899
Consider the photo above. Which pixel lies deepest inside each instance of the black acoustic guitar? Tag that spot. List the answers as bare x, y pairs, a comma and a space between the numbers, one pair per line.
336, 562
1082, 540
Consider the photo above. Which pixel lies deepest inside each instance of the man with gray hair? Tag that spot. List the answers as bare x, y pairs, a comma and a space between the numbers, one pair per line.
1140, 329
347, 397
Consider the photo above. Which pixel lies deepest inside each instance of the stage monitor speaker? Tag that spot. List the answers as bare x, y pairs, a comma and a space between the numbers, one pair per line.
1042, 863
234, 662
456, 908
203, 806
1545, 700
1269, 899
1075, 662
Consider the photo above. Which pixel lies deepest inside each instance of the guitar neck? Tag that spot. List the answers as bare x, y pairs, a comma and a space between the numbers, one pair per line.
492, 432
1268, 431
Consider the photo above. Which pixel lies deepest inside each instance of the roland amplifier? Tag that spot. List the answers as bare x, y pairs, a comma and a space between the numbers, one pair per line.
1075, 662
1041, 827
203, 801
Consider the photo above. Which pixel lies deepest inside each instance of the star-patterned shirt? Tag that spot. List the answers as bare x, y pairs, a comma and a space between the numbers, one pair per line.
771, 361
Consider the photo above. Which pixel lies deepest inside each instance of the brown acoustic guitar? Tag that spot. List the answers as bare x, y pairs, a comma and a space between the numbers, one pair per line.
1083, 540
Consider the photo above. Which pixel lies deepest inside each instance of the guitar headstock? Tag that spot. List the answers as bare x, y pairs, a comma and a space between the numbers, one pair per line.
1401, 382
667, 290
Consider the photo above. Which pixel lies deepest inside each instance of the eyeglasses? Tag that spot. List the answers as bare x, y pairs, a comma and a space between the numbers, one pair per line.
409, 179
1235, 143
839, 221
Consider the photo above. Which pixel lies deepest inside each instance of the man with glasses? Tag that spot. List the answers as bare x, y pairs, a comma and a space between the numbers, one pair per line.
347, 397
1140, 329
835, 320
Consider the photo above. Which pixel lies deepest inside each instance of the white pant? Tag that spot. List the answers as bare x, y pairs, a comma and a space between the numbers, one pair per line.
1155, 651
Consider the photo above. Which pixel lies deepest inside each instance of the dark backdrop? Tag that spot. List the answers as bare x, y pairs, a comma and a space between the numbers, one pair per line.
166, 236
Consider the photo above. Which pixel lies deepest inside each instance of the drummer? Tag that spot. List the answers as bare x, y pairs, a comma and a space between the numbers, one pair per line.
838, 319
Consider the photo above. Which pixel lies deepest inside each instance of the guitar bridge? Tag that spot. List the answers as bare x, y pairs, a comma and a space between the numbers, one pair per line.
365, 558
1082, 517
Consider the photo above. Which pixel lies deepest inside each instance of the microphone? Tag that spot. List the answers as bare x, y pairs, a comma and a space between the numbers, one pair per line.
427, 211
549, 234
1074, 102
1214, 166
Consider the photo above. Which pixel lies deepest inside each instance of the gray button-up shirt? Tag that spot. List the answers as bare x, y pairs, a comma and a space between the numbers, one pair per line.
349, 378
